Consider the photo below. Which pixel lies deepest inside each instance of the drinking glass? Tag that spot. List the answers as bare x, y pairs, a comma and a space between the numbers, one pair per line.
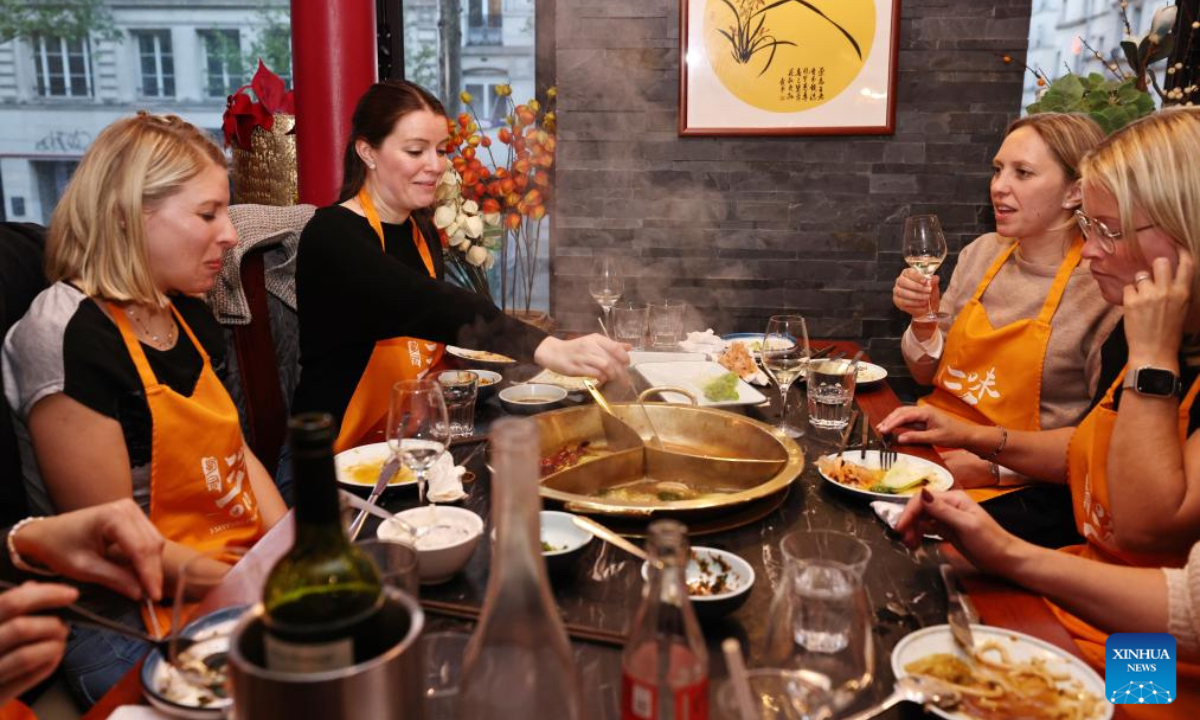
925, 250
785, 354
418, 429
831, 393
666, 323
459, 390
196, 615
396, 562
606, 284
630, 323
820, 620
442, 653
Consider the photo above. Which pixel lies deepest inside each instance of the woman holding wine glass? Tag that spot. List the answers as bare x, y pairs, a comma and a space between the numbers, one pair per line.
1015, 340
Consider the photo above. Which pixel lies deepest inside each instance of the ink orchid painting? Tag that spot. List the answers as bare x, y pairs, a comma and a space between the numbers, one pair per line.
749, 35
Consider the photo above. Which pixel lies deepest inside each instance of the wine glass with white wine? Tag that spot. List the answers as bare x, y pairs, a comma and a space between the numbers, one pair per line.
925, 251
785, 353
418, 429
606, 285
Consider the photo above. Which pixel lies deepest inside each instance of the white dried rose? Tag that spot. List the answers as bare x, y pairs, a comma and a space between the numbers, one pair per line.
477, 255
470, 207
444, 216
474, 226
459, 239
491, 219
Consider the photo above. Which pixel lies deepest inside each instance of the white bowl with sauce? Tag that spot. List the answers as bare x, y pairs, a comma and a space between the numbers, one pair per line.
531, 398
447, 548
718, 581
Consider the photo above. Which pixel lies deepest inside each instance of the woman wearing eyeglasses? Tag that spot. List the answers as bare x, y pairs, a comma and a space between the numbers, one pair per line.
1133, 464
1021, 345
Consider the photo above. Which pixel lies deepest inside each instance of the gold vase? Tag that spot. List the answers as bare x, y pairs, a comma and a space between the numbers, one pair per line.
266, 173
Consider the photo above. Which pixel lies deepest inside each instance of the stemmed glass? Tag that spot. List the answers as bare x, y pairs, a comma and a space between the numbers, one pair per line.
418, 429
606, 285
785, 354
925, 251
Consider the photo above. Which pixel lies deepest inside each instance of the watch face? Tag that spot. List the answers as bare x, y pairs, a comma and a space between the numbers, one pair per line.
1155, 381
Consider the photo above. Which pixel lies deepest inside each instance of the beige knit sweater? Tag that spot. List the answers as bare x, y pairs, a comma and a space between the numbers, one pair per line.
1183, 602
1080, 325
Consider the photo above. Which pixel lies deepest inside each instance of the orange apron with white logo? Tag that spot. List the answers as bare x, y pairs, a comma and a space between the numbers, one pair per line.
993, 376
392, 360
1087, 475
200, 494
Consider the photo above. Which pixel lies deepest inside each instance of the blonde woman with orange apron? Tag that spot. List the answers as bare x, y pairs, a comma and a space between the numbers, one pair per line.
1023, 347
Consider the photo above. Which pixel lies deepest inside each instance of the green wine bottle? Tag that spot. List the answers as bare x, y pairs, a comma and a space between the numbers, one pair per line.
323, 599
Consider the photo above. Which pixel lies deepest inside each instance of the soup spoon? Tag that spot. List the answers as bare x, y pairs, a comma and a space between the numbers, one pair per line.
915, 689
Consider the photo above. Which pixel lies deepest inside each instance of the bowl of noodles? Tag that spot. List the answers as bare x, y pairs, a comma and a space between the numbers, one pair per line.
1008, 675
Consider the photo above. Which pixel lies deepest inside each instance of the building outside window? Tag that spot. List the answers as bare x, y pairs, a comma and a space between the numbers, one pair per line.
156, 63
63, 67
485, 22
223, 62
492, 107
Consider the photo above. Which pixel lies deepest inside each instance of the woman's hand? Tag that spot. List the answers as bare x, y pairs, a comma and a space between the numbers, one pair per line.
30, 647
969, 470
915, 293
1155, 308
921, 424
961, 521
113, 544
591, 355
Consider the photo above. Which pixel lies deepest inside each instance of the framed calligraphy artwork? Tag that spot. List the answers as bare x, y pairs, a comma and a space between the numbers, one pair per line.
788, 67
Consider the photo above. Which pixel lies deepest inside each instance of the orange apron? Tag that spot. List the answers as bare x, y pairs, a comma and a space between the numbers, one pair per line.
16, 710
200, 494
1087, 474
392, 360
991, 376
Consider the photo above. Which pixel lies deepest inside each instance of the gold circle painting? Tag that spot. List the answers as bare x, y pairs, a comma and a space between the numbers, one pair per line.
788, 55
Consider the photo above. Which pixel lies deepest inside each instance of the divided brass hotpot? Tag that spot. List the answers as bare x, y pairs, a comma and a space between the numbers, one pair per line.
731, 460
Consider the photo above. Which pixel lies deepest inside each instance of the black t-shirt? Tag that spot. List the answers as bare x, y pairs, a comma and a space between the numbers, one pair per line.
1114, 354
65, 343
350, 295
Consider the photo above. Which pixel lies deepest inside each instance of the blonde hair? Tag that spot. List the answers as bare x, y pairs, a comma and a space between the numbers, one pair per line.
1153, 165
97, 237
1070, 136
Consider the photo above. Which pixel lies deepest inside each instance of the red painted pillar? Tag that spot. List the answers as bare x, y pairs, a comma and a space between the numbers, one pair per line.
334, 61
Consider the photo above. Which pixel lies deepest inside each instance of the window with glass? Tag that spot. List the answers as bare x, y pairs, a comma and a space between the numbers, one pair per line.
485, 22
156, 63
491, 105
63, 66
223, 62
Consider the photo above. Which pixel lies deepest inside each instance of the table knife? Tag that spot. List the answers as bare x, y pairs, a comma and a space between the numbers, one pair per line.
956, 614
386, 473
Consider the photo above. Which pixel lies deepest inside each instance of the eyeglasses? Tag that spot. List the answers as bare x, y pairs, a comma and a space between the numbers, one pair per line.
1106, 237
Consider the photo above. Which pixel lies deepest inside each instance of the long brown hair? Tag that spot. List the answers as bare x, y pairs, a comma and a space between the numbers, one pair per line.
379, 109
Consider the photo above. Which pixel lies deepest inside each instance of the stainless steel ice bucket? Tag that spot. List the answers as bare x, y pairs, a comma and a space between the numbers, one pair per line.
386, 686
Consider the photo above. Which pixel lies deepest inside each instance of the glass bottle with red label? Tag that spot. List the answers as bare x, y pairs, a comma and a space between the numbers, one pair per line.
665, 666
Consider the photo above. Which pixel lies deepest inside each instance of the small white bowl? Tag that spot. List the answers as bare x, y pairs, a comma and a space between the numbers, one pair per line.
437, 564
741, 580
530, 398
562, 534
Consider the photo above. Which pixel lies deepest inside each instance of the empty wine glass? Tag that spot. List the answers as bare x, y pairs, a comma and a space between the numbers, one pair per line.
418, 429
606, 284
925, 251
785, 354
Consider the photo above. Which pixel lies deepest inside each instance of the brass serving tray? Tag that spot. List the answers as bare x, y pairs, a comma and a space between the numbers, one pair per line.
742, 461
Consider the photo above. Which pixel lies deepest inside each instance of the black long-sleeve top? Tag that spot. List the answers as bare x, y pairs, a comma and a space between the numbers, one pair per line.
350, 294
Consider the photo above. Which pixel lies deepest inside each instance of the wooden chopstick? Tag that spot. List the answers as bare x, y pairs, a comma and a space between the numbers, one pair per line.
578, 632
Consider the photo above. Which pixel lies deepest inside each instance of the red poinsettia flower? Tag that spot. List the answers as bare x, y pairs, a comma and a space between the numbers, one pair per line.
255, 105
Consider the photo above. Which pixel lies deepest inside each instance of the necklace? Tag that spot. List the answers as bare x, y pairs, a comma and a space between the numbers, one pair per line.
145, 328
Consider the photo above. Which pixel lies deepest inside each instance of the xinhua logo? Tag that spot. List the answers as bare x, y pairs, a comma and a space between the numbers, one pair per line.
1139, 668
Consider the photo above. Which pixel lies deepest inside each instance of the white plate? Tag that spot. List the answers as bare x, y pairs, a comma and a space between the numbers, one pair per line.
869, 374
753, 341
637, 357
480, 356
692, 376
372, 456
1021, 647
942, 481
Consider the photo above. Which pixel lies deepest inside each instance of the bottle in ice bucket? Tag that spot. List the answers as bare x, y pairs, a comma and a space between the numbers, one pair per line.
323, 598
518, 663
674, 687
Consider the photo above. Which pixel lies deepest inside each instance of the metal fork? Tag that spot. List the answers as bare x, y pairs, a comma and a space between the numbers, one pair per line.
887, 456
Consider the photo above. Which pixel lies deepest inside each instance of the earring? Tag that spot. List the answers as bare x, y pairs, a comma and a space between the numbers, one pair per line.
371, 166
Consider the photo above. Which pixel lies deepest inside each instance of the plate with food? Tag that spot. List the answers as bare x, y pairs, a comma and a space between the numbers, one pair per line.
869, 375
196, 689
754, 341
718, 581
1011, 674
570, 383
481, 357
711, 384
738, 359
907, 476
359, 467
